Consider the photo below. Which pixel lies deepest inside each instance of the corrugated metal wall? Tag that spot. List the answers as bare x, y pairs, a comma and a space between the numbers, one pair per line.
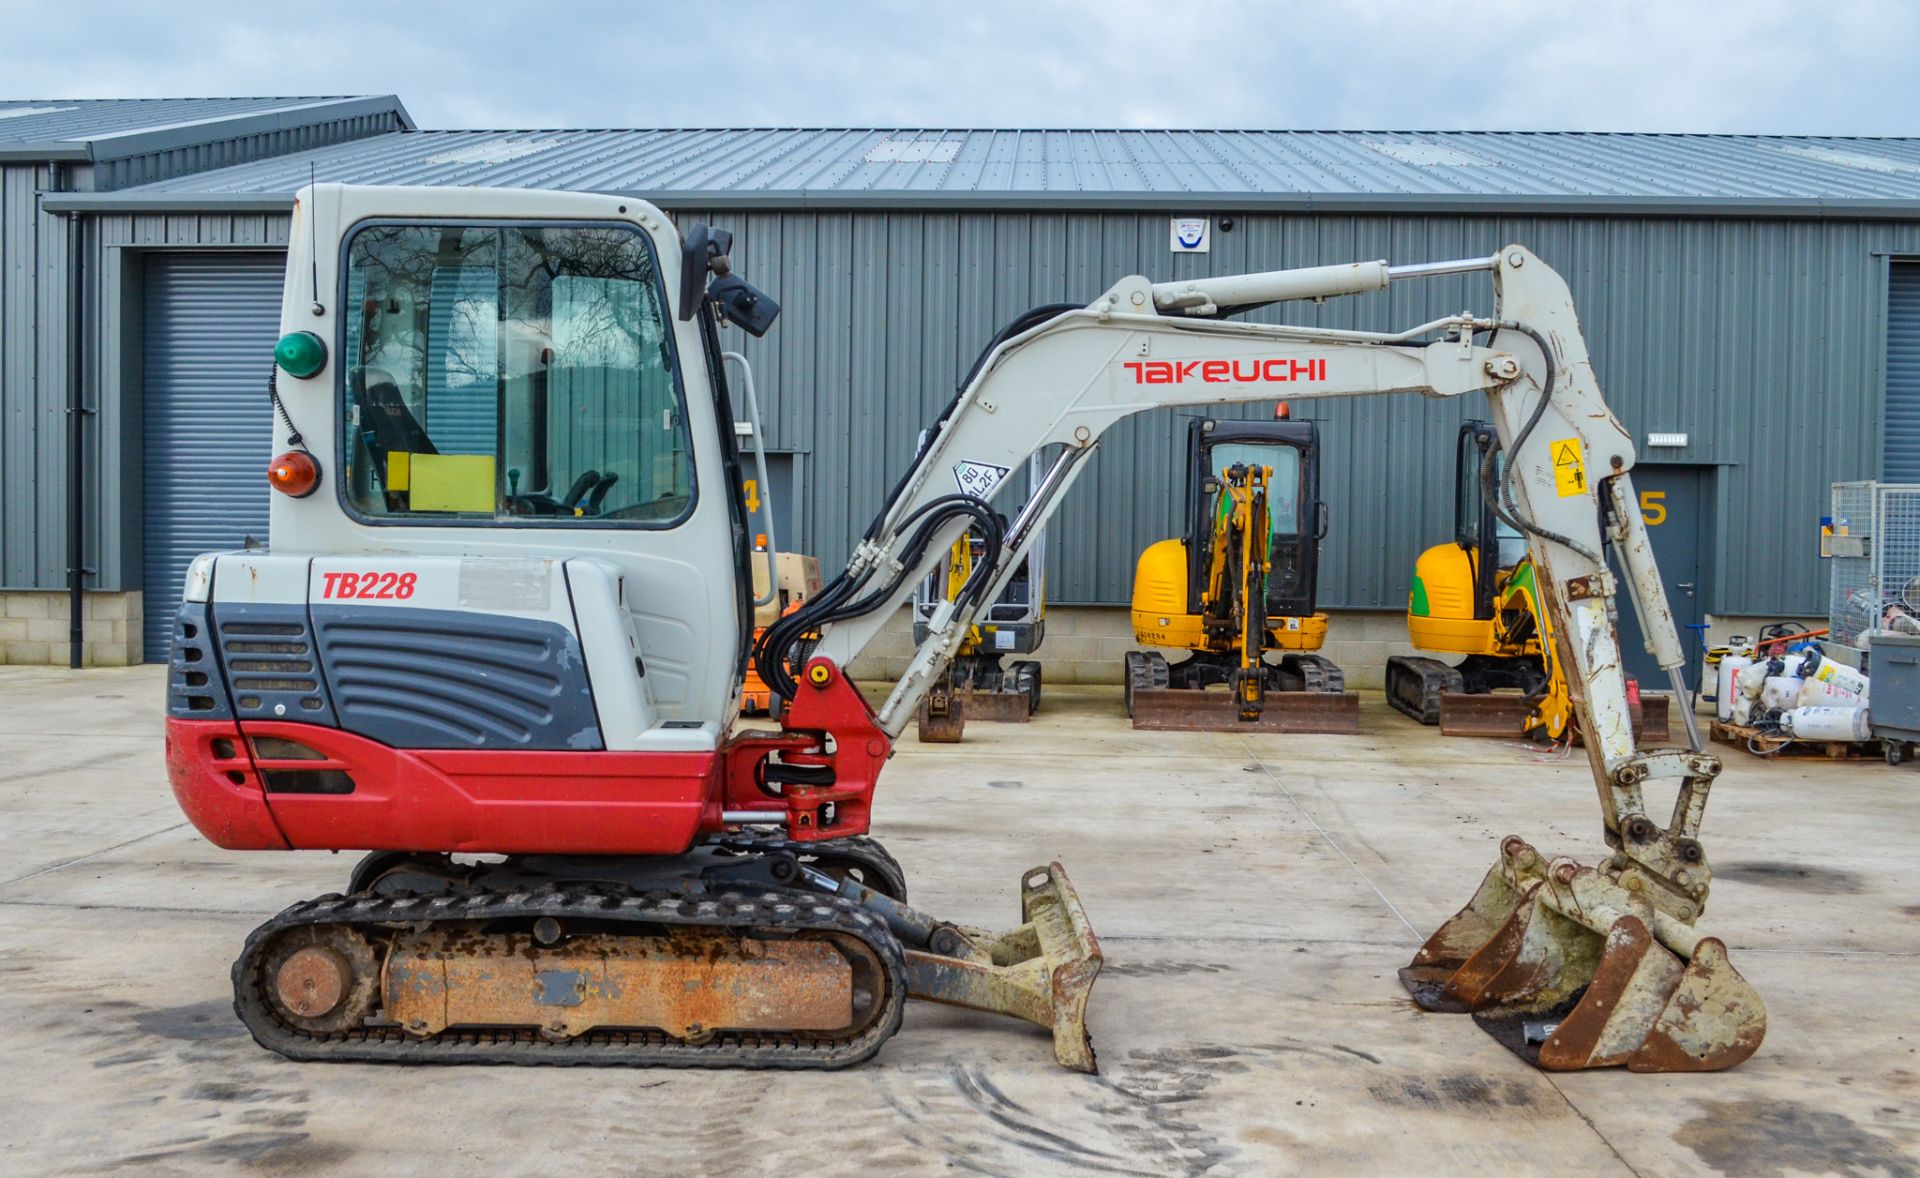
33, 390
1763, 340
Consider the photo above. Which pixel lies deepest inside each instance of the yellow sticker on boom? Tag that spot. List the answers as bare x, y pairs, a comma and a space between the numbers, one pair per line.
1569, 468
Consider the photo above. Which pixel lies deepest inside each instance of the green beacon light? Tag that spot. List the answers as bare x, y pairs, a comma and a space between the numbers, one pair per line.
300, 353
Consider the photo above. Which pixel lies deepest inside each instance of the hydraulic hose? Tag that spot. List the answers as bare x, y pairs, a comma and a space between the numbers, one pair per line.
1499, 496
847, 596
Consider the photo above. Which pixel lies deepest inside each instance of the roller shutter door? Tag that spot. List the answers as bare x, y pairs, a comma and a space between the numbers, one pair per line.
210, 325
1900, 453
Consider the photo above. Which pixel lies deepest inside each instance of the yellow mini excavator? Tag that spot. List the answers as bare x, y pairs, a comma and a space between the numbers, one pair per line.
1479, 597
978, 685
1238, 586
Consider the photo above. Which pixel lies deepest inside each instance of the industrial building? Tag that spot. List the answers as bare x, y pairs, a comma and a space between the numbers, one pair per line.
1754, 316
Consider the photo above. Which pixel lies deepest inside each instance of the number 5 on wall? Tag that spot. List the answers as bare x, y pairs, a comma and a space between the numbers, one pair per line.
1652, 509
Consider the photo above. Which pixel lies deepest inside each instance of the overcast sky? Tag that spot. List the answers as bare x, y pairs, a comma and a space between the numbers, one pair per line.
1797, 66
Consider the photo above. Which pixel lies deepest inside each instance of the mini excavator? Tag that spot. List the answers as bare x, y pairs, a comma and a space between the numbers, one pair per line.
523, 709
1478, 597
980, 683
1239, 585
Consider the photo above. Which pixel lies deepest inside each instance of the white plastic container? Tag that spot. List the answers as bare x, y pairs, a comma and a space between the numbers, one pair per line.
1750, 678
1841, 676
1815, 693
1779, 692
1826, 723
1724, 690
1742, 711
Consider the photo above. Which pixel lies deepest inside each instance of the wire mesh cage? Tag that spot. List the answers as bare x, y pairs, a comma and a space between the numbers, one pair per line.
1875, 546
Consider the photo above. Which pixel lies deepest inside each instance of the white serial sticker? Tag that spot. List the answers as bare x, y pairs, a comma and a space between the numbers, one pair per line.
978, 478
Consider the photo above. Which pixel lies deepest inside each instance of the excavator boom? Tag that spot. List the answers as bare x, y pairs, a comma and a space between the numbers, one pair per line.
1606, 956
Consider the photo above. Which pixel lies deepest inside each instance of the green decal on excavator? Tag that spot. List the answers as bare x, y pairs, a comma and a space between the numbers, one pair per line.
1417, 604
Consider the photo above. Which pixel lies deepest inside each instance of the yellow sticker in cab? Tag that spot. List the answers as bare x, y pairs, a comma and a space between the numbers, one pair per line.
1569, 467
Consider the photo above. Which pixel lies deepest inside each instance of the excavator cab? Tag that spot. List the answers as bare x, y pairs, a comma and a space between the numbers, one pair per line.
1182, 602
505, 613
1290, 450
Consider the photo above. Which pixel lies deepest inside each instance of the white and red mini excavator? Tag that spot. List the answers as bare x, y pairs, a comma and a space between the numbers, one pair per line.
499, 634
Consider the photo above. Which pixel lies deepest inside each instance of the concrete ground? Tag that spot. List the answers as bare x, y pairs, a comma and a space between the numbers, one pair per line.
1254, 895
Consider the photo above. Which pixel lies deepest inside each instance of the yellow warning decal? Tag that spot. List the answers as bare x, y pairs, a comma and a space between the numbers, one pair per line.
1569, 468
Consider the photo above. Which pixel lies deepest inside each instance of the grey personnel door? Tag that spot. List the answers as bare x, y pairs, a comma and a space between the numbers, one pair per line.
1671, 504
210, 324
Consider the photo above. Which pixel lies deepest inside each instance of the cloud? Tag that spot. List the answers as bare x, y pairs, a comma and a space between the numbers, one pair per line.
1750, 65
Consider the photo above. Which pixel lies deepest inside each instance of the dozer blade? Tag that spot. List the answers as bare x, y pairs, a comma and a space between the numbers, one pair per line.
1560, 964
995, 707
944, 724
1177, 709
1487, 714
1042, 971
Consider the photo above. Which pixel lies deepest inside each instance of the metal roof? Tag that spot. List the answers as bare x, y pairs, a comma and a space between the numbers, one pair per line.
1386, 170
115, 128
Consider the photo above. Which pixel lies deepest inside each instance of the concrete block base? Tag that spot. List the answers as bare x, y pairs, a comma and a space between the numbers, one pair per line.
35, 628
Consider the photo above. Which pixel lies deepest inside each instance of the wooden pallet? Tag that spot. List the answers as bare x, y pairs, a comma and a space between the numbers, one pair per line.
1738, 735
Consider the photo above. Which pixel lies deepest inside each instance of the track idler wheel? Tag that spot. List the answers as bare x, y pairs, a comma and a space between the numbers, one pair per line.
322, 978
1562, 965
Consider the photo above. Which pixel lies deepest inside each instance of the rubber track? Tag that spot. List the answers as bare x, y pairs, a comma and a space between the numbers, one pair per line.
859, 847
1315, 673
752, 907
1434, 677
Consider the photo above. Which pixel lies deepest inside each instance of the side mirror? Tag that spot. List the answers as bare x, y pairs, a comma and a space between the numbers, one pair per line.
741, 304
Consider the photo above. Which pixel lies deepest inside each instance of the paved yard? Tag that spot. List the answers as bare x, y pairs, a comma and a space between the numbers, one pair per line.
1254, 895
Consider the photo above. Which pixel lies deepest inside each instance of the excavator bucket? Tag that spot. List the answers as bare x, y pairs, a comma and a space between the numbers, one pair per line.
1550, 965
1186, 709
1043, 971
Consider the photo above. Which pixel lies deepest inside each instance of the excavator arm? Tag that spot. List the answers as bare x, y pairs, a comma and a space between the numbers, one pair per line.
1573, 966
1235, 607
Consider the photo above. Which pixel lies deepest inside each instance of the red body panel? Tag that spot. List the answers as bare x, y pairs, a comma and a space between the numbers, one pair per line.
533, 802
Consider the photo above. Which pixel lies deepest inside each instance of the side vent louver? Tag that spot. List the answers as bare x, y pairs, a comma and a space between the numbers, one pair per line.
272, 668
194, 688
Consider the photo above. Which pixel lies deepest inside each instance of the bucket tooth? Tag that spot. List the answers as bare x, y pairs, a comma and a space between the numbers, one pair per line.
1043, 971
1714, 1020
1630, 988
1465, 936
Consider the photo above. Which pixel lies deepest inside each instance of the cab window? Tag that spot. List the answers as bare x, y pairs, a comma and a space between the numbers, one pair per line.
1283, 487
521, 372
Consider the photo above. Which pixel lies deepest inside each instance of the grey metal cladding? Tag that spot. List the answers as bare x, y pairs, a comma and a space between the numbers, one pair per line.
446, 679
267, 654
195, 688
